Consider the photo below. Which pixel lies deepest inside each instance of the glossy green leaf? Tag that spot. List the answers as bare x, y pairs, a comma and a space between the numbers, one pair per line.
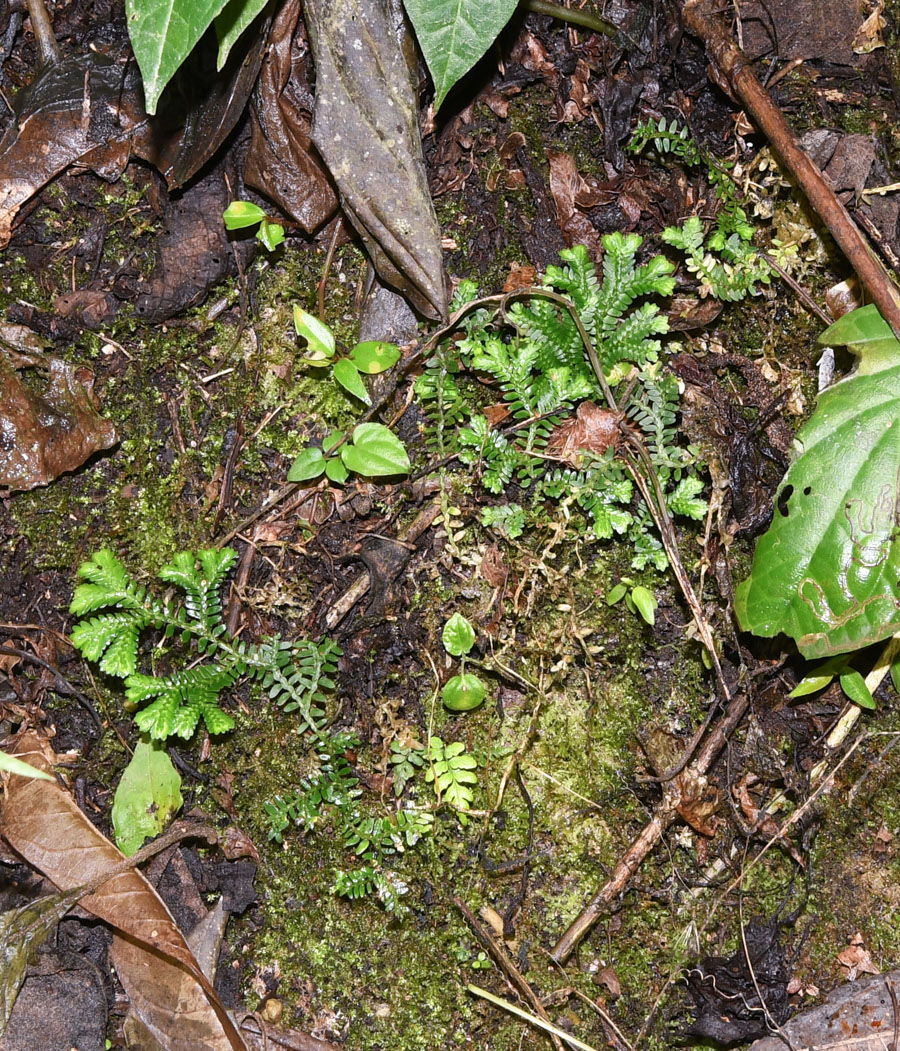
463, 692
230, 23
827, 572
319, 337
458, 636
336, 471
375, 453
241, 214
149, 793
810, 684
454, 34
854, 686
375, 356
270, 235
163, 33
347, 374
645, 603
308, 465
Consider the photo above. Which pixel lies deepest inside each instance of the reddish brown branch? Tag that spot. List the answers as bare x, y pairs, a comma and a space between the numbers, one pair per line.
703, 20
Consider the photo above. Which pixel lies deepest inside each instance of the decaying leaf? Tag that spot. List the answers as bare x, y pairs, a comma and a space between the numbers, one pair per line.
592, 430
43, 435
83, 109
571, 194
164, 982
281, 162
365, 125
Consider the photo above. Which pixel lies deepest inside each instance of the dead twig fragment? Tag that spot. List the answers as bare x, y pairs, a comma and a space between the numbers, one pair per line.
702, 18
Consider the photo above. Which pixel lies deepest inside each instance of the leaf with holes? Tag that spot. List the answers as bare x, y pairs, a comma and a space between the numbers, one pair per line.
827, 572
454, 34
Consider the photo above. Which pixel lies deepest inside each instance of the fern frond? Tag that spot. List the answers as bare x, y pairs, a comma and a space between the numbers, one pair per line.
112, 639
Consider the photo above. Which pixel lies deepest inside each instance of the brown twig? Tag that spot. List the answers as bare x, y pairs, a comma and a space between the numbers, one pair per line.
702, 18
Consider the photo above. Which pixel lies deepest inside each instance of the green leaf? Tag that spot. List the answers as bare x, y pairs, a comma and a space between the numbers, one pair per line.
810, 684
241, 214
375, 356
149, 793
454, 34
375, 453
827, 572
463, 692
11, 765
854, 686
458, 636
308, 465
270, 235
163, 33
336, 471
347, 374
645, 603
616, 594
231, 22
895, 675
319, 337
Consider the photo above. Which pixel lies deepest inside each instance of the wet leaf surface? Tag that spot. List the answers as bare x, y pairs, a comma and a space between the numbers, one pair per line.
44, 434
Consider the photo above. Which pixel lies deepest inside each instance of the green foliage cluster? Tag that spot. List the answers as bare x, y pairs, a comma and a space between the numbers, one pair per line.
535, 355
724, 259
294, 674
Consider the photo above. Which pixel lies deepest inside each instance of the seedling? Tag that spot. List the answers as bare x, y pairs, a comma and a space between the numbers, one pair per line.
464, 691
638, 599
852, 682
241, 215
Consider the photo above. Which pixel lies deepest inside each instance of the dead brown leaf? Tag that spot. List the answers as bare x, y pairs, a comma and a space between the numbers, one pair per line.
593, 429
856, 958
571, 192
163, 980
48, 433
282, 162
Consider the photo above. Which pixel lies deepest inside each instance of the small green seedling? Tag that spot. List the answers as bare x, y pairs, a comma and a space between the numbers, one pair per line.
638, 599
368, 358
852, 683
465, 691
372, 451
241, 215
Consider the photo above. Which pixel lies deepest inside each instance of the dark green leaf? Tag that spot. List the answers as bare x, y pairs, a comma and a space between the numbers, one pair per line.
854, 686
231, 21
827, 573
375, 453
308, 465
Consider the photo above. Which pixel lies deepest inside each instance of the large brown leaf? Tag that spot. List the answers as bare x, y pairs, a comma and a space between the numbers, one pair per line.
164, 982
282, 162
365, 125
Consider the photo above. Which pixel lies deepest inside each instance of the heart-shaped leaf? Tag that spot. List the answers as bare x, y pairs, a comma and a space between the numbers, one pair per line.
827, 572
376, 452
454, 34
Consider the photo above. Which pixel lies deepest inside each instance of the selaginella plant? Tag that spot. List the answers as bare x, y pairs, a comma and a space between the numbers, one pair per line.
537, 353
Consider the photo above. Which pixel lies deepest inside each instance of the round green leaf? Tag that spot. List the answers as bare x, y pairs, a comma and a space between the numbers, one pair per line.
458, 636
347, 374
241, 214
308, 465
374, 356
270, 235
319, 337
375, 453
464, 692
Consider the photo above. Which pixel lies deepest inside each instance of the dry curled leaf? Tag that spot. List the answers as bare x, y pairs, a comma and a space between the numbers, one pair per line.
593, 429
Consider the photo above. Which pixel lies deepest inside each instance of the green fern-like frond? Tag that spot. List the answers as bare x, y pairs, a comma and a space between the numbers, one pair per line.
655, 415
497, 458
111, 639
184, 697
452, 771
200, 577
